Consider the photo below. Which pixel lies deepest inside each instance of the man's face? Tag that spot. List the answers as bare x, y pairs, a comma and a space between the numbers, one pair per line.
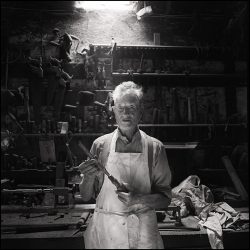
127, 112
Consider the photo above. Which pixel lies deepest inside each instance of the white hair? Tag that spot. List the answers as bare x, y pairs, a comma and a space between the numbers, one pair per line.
125, 88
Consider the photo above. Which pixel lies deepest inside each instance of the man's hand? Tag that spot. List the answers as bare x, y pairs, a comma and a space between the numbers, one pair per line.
154, 201
89, 167
129, 198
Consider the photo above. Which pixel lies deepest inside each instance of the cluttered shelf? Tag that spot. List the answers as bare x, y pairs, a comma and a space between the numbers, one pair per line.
217, 170
175, 52
61, 135
193, 125
142, 126
224, 80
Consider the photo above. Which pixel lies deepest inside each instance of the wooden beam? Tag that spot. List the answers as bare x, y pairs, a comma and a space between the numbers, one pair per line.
235, 178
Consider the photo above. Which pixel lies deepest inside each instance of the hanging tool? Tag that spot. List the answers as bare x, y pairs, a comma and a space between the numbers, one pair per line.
176, 107
141, 61
68, 139
120, 187
26, 101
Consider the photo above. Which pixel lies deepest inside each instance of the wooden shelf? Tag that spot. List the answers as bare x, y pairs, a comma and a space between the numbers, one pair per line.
27, 170
219, 170
189, 80
180, 145
142, 126
62, 135
171, 52
194, 125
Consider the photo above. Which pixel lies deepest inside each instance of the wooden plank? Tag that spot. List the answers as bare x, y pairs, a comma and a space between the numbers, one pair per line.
235, 178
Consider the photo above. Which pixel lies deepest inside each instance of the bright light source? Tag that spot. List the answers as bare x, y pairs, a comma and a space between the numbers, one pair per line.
101, 5
144, 12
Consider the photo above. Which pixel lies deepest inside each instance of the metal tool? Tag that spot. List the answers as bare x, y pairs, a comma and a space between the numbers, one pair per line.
80, 229
174, 222
81, 224
84, 217
59, 217
26, 215
38, 215
120, 187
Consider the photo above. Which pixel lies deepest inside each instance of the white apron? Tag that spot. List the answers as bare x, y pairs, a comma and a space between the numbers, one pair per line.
113, 225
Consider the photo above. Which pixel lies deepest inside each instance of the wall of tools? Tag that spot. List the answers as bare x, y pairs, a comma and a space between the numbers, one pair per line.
59, 70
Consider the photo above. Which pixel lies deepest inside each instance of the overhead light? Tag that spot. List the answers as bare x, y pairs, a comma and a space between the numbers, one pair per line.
144, 12
104, 5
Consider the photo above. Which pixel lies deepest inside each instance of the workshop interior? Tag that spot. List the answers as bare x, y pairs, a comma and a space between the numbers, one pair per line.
61, 61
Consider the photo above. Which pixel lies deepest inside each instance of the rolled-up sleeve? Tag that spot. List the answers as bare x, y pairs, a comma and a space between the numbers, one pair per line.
161, 173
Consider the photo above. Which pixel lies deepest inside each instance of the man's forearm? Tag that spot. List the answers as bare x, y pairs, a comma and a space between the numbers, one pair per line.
86, 187
155, 201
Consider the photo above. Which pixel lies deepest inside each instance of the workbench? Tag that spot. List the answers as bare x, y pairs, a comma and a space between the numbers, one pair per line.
64, 239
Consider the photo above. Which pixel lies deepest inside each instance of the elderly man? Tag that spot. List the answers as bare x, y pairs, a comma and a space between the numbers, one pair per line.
126, 219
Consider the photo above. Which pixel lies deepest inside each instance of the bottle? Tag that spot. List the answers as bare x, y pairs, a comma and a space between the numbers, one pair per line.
112, 42
79, 125
97, 122
103, 72
104, 77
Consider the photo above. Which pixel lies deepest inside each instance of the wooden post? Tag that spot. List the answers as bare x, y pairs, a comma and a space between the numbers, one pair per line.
7, 69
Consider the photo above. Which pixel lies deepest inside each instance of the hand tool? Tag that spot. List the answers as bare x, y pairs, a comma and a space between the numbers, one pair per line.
26, 215
84, 217
21, 229
81, 224
59, 217
38, 215
120, 187
174, 221
27, 191
82, 228
167, 226
34, 190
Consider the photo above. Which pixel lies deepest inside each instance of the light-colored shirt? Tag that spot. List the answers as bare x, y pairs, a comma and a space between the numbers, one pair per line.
161, 174
123, 145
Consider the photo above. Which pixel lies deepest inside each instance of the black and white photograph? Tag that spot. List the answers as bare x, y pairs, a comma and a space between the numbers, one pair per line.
124, 124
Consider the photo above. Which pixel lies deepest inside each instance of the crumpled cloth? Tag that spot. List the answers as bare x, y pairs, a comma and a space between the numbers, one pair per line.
197, 199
